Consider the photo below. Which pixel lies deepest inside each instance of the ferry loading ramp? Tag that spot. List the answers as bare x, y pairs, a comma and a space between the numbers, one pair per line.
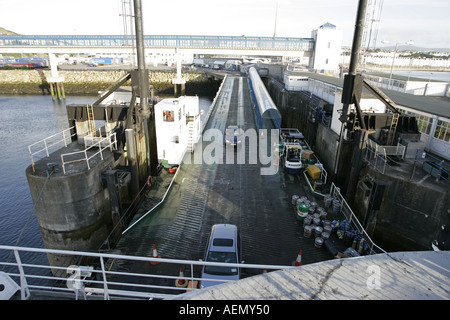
206, 194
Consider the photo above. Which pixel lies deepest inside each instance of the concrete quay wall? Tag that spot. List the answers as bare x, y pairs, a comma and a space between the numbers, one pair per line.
86, 82
412, 212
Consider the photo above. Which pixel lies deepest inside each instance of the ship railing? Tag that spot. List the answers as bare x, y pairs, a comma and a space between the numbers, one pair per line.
341, 205
108, 142
99, 279
377, 155
44, 147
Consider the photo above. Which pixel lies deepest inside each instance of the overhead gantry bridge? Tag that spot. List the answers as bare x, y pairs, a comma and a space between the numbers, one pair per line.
270, 46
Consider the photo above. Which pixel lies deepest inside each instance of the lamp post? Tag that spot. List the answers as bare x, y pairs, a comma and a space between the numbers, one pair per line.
410, 42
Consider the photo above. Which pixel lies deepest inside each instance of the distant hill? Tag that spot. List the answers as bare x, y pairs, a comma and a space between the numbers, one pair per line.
7, 32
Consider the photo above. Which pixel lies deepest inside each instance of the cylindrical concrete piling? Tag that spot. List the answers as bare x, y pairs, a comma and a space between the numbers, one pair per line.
73, 210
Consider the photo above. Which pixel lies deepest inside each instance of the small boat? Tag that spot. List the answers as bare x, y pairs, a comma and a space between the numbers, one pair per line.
292, 146
297, 155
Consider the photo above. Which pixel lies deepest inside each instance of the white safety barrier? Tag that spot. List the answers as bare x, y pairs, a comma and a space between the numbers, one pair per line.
102, 144
100, 280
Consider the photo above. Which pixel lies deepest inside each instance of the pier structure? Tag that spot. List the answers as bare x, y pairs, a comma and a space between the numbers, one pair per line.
84, 179
80, 180
56, 82
179, 81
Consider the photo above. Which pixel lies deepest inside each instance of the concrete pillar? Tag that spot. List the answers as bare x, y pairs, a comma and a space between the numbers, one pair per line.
72, 210
179, 79
56, 82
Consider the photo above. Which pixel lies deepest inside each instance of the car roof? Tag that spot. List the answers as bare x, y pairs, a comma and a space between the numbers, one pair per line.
223, 231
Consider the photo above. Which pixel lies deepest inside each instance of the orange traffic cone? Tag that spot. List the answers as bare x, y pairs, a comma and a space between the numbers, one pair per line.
298, 261
262, 134
181, 283
155, 255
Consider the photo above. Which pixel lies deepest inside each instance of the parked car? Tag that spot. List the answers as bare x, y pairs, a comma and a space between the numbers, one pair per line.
223, 246
233, 136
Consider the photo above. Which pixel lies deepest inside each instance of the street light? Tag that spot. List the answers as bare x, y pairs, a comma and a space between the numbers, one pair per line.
409, 43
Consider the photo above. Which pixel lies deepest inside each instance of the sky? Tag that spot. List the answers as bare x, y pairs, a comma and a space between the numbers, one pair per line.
426, 23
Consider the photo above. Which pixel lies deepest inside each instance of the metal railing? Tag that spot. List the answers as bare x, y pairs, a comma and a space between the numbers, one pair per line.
97, 280
434, 166
377, 155
102, 144
343, 207
213, 104
45, 146
94, 136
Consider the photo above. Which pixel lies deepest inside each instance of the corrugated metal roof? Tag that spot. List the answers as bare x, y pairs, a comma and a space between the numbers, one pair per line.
430, 105
423, 275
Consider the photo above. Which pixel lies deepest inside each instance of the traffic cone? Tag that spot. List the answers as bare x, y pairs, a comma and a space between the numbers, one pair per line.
262, 134
298, 261
181, 283
155, 255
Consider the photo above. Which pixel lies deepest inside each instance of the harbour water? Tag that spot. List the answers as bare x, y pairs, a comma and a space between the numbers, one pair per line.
25, 120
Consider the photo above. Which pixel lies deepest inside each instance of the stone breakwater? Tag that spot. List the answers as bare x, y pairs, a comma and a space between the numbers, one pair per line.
91, 82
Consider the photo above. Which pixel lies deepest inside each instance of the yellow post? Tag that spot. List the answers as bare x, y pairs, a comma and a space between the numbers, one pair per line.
51, 91
59, 91
62, 90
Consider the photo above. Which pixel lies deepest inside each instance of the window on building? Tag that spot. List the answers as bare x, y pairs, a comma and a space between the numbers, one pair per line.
168, 116
424, 124
442, 131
